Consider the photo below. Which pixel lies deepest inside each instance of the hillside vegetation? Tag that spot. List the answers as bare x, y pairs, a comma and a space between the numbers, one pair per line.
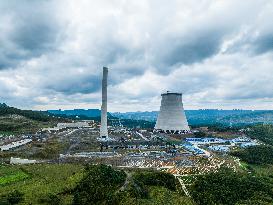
16, 121
33, 115
39, 183
256, 154
102, 184
67, 184
229, 188
74, 184
262, 132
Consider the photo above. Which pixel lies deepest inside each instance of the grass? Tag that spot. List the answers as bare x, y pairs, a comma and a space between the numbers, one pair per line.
38, 181
262, 170
6, 133
244, 165
43, 180
48, 150
160, 196
226, 135
13, 178
9, 175
21, 125
167, 197
51, 149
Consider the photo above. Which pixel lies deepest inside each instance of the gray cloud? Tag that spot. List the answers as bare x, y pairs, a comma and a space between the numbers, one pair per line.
28, 30
52, 52
193, 49
76, 84
264, 43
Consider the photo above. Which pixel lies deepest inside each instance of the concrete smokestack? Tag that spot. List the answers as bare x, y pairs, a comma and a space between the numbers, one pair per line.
172, 118
103, 126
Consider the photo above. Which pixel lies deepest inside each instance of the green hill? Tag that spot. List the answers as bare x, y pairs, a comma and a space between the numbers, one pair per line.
16, 121
69, 184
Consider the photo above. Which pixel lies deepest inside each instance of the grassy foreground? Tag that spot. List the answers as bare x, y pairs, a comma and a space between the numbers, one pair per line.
11, 174
40, 181
54, 184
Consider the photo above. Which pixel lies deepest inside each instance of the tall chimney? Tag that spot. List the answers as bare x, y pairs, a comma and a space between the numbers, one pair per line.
103, 126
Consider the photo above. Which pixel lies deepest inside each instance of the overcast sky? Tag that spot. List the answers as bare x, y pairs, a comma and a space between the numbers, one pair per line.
218, 53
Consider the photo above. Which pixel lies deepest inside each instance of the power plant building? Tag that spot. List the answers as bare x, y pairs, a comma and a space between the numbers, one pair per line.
172, 118
103, 126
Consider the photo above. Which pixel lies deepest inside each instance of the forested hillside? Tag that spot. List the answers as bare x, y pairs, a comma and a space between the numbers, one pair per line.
16, 121
33, 115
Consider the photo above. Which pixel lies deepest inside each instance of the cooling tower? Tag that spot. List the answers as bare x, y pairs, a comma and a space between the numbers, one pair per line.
172, 118
103, 125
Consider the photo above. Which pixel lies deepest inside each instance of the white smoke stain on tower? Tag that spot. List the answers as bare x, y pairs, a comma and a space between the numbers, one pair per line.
172, 116
103, 127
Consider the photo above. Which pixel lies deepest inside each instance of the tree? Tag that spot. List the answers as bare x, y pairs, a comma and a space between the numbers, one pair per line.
200, 134
155, 179
262, 132
229, 188
256, 154
15, 197
99, 185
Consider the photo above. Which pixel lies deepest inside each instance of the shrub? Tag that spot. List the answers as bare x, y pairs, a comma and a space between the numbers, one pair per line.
156, 179
229, 188
51, 199
256, 154
98, 185
137, 190
15, 197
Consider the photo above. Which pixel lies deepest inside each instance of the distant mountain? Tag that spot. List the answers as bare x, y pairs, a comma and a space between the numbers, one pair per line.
209, 116
91, 113
212, 116
255, 117
148, 116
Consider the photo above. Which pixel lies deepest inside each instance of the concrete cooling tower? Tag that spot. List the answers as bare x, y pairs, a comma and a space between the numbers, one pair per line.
172, 118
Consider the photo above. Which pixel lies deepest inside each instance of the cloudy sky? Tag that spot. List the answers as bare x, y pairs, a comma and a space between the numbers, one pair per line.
218, 53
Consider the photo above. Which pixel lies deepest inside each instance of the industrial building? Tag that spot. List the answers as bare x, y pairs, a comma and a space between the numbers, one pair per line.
172, 118
72, 125
61, 126
14, 145
16, 160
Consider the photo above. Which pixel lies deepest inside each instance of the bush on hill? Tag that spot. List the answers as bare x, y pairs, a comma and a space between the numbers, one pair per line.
99, 185
156, 179
200, 134
34, 115
229, 188
256, 154
14, 197
262, 132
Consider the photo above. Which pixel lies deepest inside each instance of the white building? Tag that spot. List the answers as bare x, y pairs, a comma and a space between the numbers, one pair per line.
14, 160
72, 125
15, 144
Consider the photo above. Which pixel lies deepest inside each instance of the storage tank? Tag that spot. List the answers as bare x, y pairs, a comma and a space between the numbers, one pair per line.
171, 117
